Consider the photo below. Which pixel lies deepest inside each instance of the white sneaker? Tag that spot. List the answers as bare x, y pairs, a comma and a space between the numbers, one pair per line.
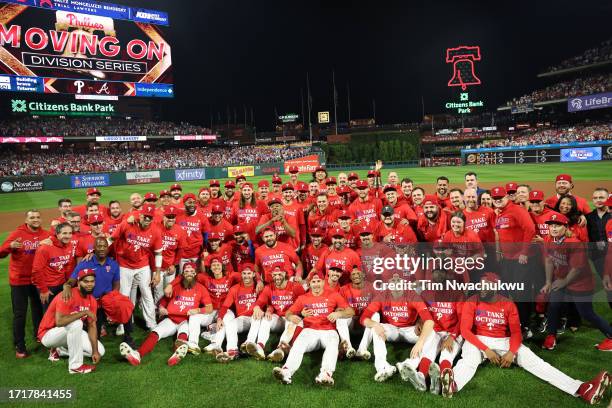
213, 348
282, 375
131, 355
178, 355
324, 378
363, 354
434, 377
384, 374
208, 336
194, 349
255, 350
408, 373
120, 331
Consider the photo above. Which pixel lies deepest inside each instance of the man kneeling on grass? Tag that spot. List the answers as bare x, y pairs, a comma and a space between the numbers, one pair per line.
186, 300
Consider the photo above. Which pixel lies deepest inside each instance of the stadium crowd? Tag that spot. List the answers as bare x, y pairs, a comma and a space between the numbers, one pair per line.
303, 260
566, 89
601, 53
100, 160
96, 127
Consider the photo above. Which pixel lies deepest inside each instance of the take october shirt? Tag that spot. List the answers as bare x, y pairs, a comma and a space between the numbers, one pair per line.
137, 244
321, 306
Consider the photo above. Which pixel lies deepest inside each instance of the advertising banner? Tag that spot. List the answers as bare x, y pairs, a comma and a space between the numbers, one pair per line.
582, 154
84, 48
196, 137
189, 174
121, 138
142, 177
588, 102
90, 180
247, 171
21, 185
306, 164
29, 139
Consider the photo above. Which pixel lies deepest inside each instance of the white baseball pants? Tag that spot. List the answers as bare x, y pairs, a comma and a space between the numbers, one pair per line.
158, 291
73, 337
351, 325
276, 324
310, 340
196, 322
234, 325
472, 357
142, 277
393, 334
167, 328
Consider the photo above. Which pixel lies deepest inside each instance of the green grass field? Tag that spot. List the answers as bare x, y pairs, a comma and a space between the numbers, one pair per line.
246, 383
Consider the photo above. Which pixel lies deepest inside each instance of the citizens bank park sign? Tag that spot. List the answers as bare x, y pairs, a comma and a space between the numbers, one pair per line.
84, 48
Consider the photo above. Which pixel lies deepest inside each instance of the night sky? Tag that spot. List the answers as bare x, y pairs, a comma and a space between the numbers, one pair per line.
257, 53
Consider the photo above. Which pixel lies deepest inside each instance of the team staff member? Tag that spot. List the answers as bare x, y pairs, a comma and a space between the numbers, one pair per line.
564, 186
21, 245
53, 264
63, 324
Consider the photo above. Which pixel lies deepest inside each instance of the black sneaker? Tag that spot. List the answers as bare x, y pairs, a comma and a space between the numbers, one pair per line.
543, 325
563, 326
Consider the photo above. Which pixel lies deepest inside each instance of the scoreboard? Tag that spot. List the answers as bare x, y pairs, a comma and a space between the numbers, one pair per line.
515, 157
550, 153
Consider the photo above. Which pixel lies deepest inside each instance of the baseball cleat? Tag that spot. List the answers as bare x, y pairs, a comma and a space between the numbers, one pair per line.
226, 357
213, 348
282, 375
543, 325
243, 347
131, 355
83, 369
103, 331
194, 349
255, 350
592, 391
53, 355
363, 354
447, 378
384, 374
563, 326
434, 376
550, 342
277, 355
410, 374
351, 353
208, 336
343, 348
178, 355
120, 330
324, 378
605, 345
22, 354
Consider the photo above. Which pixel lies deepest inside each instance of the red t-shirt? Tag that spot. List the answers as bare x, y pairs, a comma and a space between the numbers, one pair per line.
20, 262
279, 300
248, 216
445, 309
173, 242
52, 265
367, 211
77, 303
137, 244
540, 222
194, 225
347, 258
223, 228
482, 222
241, 298
515, 229
402, 312
311, 255
357, 298
282, 255
217, 288
395, 231
568, 254
225, 254
321, 305
183, 300
433, 232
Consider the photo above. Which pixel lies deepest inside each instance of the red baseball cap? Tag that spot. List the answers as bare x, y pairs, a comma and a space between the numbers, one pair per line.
239, 229
536, 195
353, 176
287, 186
83, 273
330, 180
609, 201
230, 184
337, 232
150, 196
214, 183
320, 168
344, 190
246, 266
490, 277
95, 219
315, 232
247, 185
240, 177
294, 169
335, 264
498, 192
212, 236
148, 210
317, 275
191, 264
217, 209
170, 210
277, 180
557, 218
164, 193
389, 187
344, 214
372, 173
511, 188
212, 258
429, 198
176, 186
188, 196
365, 230
203, 189
302, 187
564, 177
274, 200
93, 190
361, 184
263, 183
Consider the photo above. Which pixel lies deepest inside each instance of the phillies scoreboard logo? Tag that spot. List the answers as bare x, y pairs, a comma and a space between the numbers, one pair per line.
463, 59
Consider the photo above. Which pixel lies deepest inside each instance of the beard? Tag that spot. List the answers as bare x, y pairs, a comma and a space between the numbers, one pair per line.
188, 283
85, 292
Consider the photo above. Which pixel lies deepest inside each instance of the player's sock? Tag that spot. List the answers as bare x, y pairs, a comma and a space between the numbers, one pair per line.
182, 336
149, 344
444, 364
297, 332
424, 366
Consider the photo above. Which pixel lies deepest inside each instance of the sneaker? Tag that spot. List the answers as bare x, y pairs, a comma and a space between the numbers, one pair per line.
208, 336
256, 350
351, 353
447, 380
410, 374
103, 332
243, 347
83, 369
277, 355
131, 355
213, 348
194, 349
592, 391
343, 348
282, 375
527, 333
120, 330
324, 378
363, 355
384, 374
543, 325
130, 341
605, 345
54, 355
434, 377
563, 326
21, 353
179, 354
226, 357
550, 342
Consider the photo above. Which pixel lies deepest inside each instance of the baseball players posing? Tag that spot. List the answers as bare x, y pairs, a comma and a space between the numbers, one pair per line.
491, 328
320, 310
